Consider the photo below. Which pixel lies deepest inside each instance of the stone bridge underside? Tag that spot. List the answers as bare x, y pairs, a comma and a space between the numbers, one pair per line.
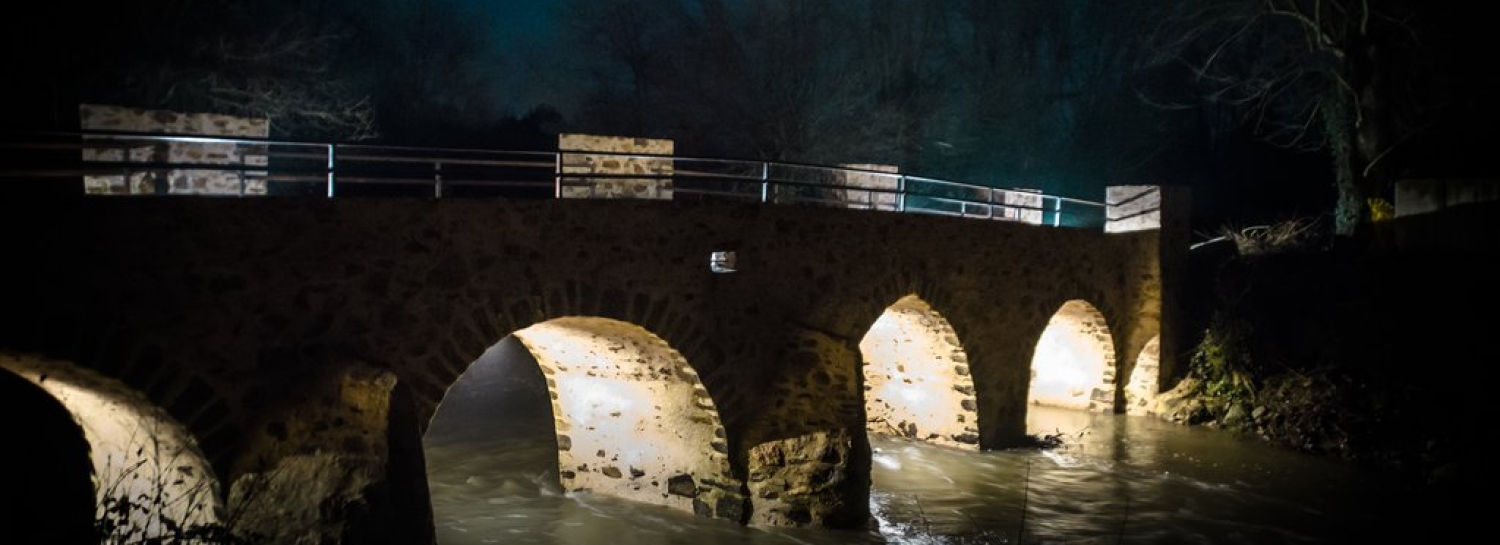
298, 338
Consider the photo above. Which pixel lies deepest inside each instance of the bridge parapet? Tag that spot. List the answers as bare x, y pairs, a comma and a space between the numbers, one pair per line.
99, 117
623, 159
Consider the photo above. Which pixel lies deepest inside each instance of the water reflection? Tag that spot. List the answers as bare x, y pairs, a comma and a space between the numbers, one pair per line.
1117, 479
479, 497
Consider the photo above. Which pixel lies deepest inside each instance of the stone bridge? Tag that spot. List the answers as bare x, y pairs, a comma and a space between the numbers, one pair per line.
271, 364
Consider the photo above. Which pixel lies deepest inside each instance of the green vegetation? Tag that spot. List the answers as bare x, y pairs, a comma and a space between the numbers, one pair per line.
1222, 362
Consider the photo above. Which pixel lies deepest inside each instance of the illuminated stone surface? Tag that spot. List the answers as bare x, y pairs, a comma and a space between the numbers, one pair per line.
883, 196
1145, 381
1074, 363
97, 117
637, 421
615, 166
917, 381
1132, 208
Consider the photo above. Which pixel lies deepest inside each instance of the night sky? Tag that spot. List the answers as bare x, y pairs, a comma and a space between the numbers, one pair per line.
1022, 93
523, 28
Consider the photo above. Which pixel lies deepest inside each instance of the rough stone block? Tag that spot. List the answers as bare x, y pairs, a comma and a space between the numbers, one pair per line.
1132, 208
867, 188
657, 186
154, 179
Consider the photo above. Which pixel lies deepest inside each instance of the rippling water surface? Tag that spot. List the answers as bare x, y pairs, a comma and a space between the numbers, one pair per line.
1116, 479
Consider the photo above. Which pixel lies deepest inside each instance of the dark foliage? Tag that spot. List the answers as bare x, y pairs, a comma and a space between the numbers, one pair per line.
1366, 352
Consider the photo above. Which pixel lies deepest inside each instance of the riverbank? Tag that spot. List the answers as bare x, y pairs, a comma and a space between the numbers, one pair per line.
1374, 349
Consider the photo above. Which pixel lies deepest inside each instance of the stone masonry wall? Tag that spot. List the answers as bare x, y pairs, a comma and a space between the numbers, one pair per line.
883, 199
1132, 208
337, 439
1143, 386
216, 308
583, 187
808, 458
1022, 205
176, 181
632, 418
1162, 214
917, 383
1093, 325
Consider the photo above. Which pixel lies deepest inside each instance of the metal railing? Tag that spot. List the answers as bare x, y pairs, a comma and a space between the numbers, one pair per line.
110, 163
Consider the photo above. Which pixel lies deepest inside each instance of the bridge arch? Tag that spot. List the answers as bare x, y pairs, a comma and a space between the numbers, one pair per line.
1145, 379
421, 288
48, 496
150, 480
631, 417
1073, 365
916, 377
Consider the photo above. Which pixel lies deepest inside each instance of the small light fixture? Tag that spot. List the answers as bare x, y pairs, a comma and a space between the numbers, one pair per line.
721, 262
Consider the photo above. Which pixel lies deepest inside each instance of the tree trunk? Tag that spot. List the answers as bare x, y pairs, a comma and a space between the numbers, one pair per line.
1356, 122
1338, 119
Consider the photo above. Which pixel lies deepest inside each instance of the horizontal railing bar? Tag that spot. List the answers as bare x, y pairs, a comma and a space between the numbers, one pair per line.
446, 161
372, 147
491, 182
713, 175
261, 172
157, 165
698, 191
1078, 201
383, 181
195, 138
344, 146
118, 167
989, 204
333, 164
322, 179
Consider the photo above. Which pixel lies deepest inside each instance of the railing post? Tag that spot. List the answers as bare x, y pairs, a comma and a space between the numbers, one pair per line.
437, 179
901, 193
241, 170
1056, 212
557, 176
330, 169
765, 182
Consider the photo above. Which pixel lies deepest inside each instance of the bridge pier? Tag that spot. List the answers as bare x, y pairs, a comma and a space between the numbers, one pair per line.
335, 457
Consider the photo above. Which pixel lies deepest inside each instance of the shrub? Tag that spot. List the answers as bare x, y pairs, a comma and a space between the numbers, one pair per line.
1222, 362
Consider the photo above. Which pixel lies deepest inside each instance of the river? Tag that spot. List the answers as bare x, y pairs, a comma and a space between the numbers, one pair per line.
1114, 479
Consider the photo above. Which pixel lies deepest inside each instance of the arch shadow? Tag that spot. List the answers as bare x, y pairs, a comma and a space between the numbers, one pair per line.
629, 415
150, 480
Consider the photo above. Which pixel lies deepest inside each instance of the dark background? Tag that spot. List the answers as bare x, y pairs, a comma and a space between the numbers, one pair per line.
1064, 96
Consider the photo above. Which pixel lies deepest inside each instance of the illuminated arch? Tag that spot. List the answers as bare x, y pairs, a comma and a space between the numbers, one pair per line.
1144, 384
1074, 363
632, 418
141, 456
917, 381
